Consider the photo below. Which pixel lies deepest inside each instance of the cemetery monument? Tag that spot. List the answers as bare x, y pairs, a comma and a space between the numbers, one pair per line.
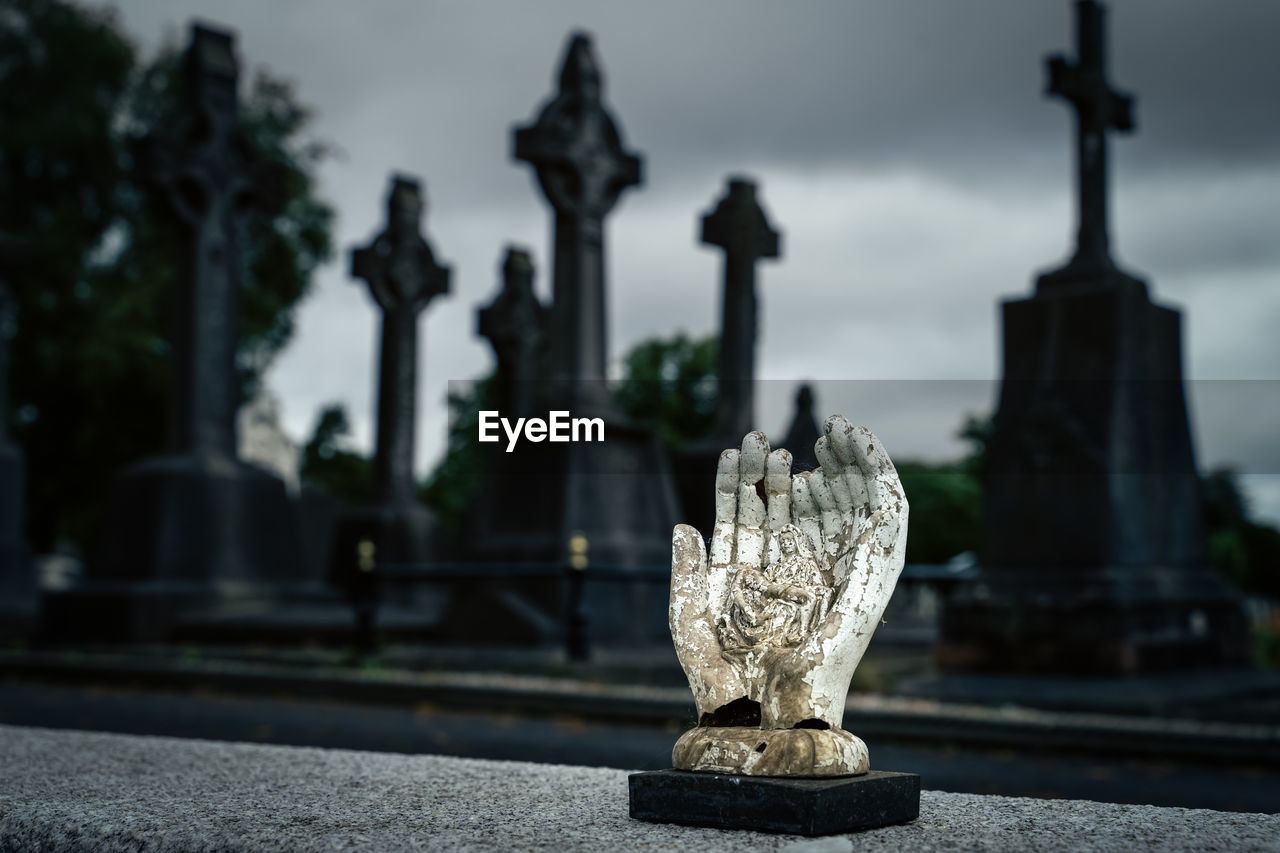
739, 227
403, 277
769, 625
617, 493
515, 324
197, 526
1093, 557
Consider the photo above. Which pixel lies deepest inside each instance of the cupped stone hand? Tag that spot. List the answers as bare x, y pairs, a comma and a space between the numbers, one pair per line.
770, 627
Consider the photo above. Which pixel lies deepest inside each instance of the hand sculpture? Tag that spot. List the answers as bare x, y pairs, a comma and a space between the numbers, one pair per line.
770, 629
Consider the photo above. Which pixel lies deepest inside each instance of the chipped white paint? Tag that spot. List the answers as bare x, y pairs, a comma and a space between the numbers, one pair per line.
770, 629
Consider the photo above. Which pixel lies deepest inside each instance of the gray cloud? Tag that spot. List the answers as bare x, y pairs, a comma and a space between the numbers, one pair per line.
905, 149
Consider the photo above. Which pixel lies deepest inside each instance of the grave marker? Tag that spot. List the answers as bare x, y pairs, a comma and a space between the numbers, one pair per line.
198, 527
1093, 554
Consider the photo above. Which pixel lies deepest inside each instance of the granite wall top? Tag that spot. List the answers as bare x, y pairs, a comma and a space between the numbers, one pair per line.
72, 790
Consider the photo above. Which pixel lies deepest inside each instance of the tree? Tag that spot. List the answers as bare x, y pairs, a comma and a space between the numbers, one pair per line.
1245, 552
328, 461
670, 385
90, 359
449, 488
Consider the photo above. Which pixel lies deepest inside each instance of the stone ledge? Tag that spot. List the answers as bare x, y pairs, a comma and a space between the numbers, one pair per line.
67, 790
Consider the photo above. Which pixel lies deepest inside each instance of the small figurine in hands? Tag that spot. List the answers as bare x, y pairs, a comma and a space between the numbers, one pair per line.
770, 628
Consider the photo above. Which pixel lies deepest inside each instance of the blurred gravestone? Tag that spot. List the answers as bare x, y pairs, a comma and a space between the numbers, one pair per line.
17, 577
618, 493
515, 324
739, 226
803, 431
403, 277
197, 526
1093, 556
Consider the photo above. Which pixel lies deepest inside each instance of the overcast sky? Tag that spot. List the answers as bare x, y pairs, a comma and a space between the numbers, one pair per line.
903, 147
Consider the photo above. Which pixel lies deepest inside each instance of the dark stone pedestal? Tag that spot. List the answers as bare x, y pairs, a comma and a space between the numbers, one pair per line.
193, 518
181, 533
771, 804
1093, 553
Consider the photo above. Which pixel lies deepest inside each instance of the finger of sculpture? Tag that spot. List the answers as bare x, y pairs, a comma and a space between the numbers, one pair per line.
841, 436
777, 489
724, 537
833, 526
751, 510
713, 679
833, 475
884, 490
804, 512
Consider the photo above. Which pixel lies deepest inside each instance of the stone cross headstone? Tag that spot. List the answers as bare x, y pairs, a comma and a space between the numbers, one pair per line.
1093, 557
576, 149
209, 175
1098, 109
803, 431
740, 227
737, 225
197, 528
617, 494
515, 326
403, 277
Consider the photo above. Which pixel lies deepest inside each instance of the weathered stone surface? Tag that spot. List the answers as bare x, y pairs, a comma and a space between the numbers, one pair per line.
77, 790
797, 806
770, 625
771, 752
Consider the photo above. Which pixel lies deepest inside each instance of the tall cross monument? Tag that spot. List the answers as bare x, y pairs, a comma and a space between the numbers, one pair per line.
209, 175
403, 277
1093, 554
515, 326
1098, 109
740, 228
576, 149
536, 500
196, 528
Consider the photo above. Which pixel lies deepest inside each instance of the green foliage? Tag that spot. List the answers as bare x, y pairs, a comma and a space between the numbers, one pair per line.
102, 257
328, 461
1245, 552
670, 385
450, 486
946, 510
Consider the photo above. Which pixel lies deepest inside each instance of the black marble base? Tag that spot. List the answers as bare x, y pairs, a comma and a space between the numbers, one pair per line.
773, 804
